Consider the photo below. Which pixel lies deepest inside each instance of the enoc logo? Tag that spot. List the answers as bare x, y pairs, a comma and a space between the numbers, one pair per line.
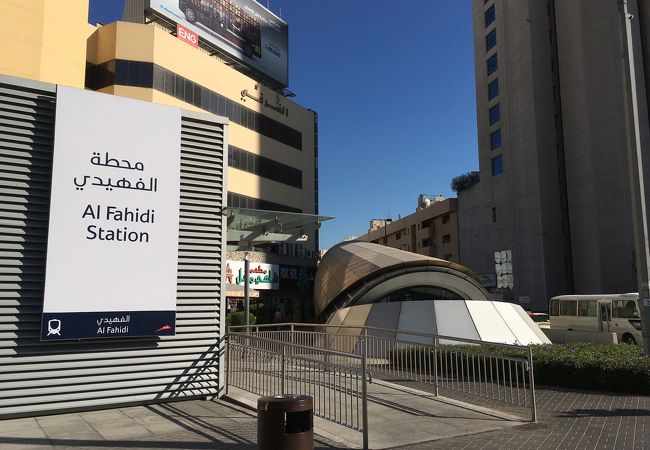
186, 35
164, 328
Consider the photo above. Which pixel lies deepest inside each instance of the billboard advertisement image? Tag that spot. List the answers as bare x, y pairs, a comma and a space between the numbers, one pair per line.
242, 28
112, 252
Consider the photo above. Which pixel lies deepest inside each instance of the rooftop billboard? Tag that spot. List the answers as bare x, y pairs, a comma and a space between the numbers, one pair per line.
242, 28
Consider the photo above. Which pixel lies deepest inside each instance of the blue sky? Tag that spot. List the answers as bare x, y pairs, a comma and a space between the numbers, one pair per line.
393, 86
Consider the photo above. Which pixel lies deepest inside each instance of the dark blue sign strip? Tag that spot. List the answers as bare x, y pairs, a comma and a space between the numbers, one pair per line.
107, 324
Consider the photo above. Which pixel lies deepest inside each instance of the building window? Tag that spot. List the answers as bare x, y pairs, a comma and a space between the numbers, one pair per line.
243, 201
495, 140
427, 242
445, 218
490, 15
148, 75
492, 64
494, 215
493, 89
495, 114
497, 165
446, 239
447, 256
264, 167
491, 40
398, 235
427, 223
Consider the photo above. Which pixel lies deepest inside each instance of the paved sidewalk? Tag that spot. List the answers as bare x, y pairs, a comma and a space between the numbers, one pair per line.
399, 416
193, 424
568, 419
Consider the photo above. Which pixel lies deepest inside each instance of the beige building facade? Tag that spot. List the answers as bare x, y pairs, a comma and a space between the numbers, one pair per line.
554, 187
272, 151
43, 41
432, 230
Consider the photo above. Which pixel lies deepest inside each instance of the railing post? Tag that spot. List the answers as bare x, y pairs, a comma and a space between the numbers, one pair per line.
327, 349
435, 364
291, 334
364, 390
228, 367
365, 342
282, 372
533, 403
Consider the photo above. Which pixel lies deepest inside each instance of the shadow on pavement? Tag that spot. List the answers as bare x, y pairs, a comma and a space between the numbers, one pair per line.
606, 413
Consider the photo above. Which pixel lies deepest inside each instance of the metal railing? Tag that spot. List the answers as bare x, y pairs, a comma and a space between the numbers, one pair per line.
335, 380
488, 374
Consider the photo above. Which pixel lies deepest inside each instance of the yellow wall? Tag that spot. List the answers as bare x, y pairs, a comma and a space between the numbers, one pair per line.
147, 43
45, 40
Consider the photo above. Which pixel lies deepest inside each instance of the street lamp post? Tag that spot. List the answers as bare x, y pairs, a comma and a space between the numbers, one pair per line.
386, 222
247, 263
637, 187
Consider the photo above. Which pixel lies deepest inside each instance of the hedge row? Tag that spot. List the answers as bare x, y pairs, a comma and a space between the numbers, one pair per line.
602, 367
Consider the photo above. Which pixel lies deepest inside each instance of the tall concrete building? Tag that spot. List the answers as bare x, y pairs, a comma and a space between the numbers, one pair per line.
552, 211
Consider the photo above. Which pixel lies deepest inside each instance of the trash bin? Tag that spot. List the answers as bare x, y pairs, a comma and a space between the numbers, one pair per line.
285, 422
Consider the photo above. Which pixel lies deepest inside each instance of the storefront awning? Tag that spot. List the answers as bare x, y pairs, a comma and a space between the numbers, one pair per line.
237, 291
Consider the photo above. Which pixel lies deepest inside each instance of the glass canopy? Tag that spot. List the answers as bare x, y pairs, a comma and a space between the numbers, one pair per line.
257, 225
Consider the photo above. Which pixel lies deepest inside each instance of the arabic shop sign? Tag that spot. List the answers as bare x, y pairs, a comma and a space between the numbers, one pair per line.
260, 276
113, 231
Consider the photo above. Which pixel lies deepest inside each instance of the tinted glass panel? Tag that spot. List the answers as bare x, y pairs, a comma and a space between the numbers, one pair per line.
242, 201
149, 75
419, 293
568, 308
491, 40
495, 114
492, 64
624, 309
495, 140
555, 308
497, 165
490, 15
493, 89
587, 308
264, 167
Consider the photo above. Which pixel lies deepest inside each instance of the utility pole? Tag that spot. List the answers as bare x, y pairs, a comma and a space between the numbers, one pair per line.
386, 222
247, 266
637, 186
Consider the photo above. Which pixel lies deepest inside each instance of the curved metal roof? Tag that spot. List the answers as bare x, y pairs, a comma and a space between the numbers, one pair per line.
350, 264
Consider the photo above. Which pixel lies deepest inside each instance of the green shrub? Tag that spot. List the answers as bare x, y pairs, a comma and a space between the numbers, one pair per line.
603, 367
237, 318
609, 367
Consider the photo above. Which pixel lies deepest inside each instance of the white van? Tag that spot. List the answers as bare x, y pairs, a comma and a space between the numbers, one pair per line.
611, 313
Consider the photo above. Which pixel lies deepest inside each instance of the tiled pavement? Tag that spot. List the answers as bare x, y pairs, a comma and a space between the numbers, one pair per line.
180, 425
567, 420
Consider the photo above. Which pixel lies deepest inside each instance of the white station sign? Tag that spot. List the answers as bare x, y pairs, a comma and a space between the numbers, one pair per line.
112, 250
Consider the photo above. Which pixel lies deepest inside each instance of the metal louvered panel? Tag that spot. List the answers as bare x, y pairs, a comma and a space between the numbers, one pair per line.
43, 377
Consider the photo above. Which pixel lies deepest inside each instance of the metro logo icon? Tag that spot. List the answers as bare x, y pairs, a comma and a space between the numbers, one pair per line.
186, 35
